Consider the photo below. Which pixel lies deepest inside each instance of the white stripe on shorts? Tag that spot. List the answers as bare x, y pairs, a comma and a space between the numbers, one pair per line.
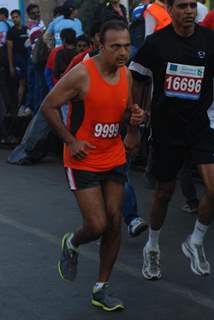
71, 180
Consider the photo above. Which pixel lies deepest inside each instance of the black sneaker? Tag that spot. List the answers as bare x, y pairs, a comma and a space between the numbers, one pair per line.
67, 265
101, 299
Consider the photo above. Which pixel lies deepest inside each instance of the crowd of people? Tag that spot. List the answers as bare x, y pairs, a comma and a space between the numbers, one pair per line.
100, 93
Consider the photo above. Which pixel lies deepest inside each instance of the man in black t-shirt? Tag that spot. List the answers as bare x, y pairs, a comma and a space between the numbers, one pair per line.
17, 53
180, 58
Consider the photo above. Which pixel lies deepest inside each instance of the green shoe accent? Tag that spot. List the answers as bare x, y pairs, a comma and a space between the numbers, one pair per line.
101, 299
67, 265
109, 309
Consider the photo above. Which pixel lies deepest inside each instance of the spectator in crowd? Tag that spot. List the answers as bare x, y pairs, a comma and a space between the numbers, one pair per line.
66, 54
17, 53
83, 43
69, 21
48, 36
114, 10
5, 81
35, 79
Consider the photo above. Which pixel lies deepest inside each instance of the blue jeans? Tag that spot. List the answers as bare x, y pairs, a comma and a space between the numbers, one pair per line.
129, 208
30, 84
36, 86
40, 89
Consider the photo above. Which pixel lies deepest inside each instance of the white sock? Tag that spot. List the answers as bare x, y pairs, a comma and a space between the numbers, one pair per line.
153, 241
70, 244
98, 286
198, 233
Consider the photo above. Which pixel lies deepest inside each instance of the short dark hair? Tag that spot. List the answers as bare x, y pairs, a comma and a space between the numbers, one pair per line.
15, 11
31, 7
84, 38
95, 28
68, 35
4, 11
57, 11
115, 25
170, 3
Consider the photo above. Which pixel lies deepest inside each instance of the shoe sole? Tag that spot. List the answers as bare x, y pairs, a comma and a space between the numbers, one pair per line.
154, 278
139, 230
188, 255
102, 306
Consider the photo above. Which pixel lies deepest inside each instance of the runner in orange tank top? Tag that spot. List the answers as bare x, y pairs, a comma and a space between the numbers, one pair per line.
99, 91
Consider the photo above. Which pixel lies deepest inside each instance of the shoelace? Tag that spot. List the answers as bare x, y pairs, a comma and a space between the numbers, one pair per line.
154, 261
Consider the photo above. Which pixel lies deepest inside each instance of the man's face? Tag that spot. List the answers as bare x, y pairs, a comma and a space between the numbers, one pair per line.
16, 19
81, 46
2, 17
35, 14
183, 12
116, 47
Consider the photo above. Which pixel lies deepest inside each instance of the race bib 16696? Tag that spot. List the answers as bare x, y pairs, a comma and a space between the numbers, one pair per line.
183, 81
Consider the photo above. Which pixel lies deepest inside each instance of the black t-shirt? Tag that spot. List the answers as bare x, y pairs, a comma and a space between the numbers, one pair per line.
183, 69
18, 36
62, 60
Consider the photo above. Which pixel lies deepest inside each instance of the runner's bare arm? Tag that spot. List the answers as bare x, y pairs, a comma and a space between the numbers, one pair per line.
135, 118
73, 84
137, 115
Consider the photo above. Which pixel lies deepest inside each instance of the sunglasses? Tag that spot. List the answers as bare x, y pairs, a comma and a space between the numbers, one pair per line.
192, 5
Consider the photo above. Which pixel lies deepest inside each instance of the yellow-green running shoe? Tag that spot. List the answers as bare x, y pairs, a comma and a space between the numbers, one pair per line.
67, 265
101, 299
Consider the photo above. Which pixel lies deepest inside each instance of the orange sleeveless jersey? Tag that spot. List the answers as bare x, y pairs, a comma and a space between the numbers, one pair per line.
160, 14
97, 119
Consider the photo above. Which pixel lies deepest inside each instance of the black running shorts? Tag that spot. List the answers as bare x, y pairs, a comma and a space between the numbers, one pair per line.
168, 160
81, 179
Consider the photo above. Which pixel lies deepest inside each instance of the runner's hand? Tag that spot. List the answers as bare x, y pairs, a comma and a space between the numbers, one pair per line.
137, 115
132, 141
80, 149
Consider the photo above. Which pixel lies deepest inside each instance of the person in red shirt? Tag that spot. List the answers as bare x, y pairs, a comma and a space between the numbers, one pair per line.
208, 21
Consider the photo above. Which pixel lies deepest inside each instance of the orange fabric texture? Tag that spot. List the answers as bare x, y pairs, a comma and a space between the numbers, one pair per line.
104, 106
160, 14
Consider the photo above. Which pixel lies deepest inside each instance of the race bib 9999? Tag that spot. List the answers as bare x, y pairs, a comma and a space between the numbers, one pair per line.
106, 130
183, 81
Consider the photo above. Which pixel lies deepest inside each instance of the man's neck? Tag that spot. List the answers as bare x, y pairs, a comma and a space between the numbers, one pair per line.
105, 69
69, 46
184, 32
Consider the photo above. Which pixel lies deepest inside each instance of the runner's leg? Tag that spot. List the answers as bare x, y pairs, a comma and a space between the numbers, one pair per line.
110, 243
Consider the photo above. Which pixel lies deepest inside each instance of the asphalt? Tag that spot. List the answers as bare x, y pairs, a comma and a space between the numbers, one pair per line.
37, 209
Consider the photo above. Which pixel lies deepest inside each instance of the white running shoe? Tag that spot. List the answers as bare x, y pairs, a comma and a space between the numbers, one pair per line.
136, 226
198, 261
151, 264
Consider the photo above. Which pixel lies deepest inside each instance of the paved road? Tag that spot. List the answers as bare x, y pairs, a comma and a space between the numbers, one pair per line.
37, 209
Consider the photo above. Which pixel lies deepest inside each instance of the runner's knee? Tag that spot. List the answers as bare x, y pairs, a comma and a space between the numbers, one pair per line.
164, 195
97, 227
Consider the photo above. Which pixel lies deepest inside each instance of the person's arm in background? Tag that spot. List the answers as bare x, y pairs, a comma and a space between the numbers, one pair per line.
10, 57
48, 36
48, 72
